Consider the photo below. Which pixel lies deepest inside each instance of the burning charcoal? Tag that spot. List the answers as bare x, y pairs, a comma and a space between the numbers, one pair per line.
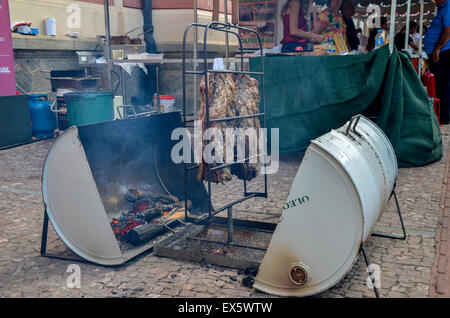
151, 214
142, 205
165, 201
122, 225
168, 198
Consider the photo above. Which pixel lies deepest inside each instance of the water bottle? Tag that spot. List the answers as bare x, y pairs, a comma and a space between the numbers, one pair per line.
359, 51
379, 40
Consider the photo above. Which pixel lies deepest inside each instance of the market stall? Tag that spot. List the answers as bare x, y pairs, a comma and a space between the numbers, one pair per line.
309, 95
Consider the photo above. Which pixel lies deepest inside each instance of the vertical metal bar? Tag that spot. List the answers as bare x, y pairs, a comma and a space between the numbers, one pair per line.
408, 17
400, 216
158, 101
227, 39
44, 234
366, 260
419, 68
392, 26
264, 111
108, 51
205, 68
230, 225
184, 121
195, 56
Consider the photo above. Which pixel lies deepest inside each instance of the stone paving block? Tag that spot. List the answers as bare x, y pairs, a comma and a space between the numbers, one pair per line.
442, 264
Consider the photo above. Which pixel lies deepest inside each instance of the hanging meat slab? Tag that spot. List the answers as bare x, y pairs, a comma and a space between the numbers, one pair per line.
228, 96
247, 103
222, 102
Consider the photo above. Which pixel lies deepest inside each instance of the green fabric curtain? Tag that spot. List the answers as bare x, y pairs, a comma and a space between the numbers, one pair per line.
307, 96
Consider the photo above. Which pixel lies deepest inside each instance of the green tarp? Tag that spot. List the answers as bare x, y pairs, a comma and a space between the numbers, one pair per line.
307, 96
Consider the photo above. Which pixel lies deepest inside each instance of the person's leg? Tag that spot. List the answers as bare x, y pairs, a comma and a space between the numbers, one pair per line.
444, 85
442, 78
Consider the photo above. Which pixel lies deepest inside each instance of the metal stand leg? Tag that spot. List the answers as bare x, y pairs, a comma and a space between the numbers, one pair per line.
44, 244
44, 235
395, 237
230, 225
375, 289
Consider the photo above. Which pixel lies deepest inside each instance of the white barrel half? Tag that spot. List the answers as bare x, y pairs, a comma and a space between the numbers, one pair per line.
342, 187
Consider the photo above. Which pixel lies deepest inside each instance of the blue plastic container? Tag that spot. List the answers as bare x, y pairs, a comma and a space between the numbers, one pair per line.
43, 120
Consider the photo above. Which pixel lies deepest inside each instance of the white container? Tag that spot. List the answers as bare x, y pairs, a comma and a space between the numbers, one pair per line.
342, 187
118, 107
50, 26
166, 103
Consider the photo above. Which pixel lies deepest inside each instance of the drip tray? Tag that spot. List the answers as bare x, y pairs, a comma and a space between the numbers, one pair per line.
208, 243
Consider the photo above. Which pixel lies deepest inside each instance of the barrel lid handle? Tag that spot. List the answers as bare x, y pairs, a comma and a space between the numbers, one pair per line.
354, 121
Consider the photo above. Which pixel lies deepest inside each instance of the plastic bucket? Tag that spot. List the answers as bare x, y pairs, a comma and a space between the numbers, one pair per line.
86, 108
166, 103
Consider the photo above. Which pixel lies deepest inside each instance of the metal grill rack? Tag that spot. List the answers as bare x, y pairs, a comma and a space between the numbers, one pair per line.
234, 30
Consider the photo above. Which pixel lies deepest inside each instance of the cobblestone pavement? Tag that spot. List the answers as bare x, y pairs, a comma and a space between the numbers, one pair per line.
440, 283
406, 265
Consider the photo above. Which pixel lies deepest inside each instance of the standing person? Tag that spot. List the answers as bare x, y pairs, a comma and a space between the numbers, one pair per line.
330, 21
295, 25
348, 11
373, 33
399, 39
437, 46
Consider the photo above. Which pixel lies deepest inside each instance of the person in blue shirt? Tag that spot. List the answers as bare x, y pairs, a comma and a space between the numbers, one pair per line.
437, 46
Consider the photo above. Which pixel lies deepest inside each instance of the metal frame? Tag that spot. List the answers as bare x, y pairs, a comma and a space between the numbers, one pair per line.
366, 260
399, 212
168, 227
228, 29
419, 67
44, 245
408, 18
392, 26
